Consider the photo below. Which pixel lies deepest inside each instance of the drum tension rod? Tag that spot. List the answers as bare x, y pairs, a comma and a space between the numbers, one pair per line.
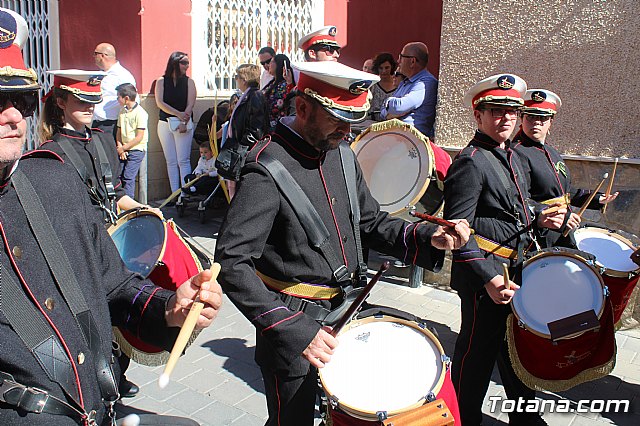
382, 415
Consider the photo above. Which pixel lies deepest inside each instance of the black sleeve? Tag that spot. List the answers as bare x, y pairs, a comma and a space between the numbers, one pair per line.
462, 191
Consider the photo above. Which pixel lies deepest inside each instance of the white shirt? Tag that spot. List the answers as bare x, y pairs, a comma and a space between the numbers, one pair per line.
109, 108
265, 78
206, 166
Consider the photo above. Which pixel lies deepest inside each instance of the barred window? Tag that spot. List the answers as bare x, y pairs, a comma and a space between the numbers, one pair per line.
227, 33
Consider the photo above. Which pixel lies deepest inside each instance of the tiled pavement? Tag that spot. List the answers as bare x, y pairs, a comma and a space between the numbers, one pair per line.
217, 383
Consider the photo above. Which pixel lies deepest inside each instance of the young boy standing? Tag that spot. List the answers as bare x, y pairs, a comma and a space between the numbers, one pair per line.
131, 137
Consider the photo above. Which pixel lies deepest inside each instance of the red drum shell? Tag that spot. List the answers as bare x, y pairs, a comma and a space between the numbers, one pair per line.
177, 263
543, 365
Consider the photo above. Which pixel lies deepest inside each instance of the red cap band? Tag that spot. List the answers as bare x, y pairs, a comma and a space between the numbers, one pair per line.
342, 98
497, 93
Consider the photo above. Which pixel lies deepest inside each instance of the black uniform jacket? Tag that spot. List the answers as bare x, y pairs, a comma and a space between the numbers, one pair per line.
547, 174
115, 295
475, 192
84, 144
261, 231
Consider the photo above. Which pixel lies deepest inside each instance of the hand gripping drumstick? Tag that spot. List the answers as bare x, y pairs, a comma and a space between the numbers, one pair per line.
586, 203
436, 220
610, 186
185, 333
359, 300
505, 274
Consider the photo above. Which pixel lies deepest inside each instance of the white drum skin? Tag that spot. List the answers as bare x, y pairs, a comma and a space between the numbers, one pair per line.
556, 286
371, 369
611, 250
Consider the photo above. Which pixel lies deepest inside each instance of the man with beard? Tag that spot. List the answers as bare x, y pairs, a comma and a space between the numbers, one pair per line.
303, 183
62, 282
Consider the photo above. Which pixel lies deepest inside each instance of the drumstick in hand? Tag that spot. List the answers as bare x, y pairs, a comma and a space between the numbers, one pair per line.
610, 186
586, 203
436, 220
185, 333
505, 274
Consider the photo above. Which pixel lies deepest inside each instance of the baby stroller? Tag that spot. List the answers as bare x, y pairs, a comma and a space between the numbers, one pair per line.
215, 198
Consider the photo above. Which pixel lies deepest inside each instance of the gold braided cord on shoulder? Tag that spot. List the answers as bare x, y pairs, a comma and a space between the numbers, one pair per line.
324, 101
537, 383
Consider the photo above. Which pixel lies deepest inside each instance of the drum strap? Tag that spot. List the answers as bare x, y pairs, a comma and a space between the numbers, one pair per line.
309, 218
63, 274
348, 159
107, 173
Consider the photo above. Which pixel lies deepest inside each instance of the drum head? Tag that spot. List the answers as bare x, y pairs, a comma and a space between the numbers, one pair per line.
611, 250
556, 286
139, 238
396, 163
371, 369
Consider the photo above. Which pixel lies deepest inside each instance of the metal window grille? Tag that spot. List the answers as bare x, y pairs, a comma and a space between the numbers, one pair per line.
228, 33
36, 51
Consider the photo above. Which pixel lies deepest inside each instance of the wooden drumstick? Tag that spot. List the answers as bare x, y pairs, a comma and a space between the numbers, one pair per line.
505, 274
185, 333
436, 220
586, 203
553, 209
610, 186
175, 193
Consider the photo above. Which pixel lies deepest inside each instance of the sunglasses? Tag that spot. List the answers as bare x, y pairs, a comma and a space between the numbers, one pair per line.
533, 118
24, 102
502, 112
99, 53
184, 62
327, 48
265, 63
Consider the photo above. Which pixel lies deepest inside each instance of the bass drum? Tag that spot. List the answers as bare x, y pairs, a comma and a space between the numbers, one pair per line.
152, 247
398, 164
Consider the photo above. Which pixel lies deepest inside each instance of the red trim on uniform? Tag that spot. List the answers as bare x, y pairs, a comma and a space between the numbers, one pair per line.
496, 92
37, 304
262, 149
515, 180
281, 321
80, 85
340, 96
12, 57
295, 149
145, 307
473, 326
415, 241
278, 398
541, 105
42, 153
335, 221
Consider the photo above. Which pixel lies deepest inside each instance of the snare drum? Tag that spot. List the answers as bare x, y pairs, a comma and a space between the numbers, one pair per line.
612, 252
398, 164
152, 247
385, 366
556, 286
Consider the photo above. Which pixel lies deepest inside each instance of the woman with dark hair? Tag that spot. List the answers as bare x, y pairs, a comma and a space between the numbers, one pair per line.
277, 90
175, 94
384, 64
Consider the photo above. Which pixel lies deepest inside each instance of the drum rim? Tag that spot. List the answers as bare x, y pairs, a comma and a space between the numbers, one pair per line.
564, 254
610, 271
137, 212
395, 124
370, 415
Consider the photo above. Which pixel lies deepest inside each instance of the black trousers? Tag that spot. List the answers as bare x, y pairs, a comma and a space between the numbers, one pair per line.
290, 400
480, 344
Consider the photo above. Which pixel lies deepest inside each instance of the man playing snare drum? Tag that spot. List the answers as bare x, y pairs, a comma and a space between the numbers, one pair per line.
284, 279
486, 186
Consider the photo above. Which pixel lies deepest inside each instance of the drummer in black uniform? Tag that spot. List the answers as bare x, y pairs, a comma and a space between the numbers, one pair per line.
486, 186
288, 284
64, 128
62, 283
547, 174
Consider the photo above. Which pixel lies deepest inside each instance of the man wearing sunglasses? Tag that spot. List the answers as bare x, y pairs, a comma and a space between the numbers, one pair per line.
265, 56
105, 114
320, 45
62, 282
